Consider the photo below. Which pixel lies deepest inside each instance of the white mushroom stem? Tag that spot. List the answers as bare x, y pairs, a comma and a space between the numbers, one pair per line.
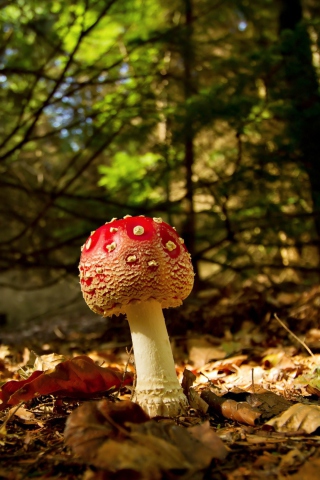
157, 389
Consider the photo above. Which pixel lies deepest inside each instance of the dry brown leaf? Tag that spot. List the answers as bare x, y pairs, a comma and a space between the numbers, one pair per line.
241, 412
313, 390
266, 459
187, 380
48, 362
208, 438
201, 351
299, 417
309, 471
311, 381
195, 401
4, 351
229, 364
241, 473
22, 413
290, 459
280, 359
119, 437
268, 403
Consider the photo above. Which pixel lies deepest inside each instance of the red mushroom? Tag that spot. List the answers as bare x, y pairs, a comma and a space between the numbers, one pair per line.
137, 266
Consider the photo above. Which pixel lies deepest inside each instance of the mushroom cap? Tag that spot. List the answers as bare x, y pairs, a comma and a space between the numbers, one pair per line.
134, 259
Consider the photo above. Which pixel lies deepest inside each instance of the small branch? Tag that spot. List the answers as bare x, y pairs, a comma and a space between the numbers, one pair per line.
11, 413
130, 352
294, 336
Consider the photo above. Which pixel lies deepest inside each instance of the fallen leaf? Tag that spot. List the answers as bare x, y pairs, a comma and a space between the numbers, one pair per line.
22, 413
202, 351
313, 390
187, 380
299, 417
119, 437
242, 412
10, 388
309, 471
47, 362
245, 407
242, 473
269, 404
311, 380
229, 364
4, 351
35, 363
195, 401
265, 460
208, 438
278, 359
290, 459
79, 377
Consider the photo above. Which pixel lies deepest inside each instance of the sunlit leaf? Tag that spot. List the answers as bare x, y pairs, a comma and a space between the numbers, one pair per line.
79, 377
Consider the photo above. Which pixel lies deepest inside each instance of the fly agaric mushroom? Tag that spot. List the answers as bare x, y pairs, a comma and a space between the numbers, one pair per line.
137, 266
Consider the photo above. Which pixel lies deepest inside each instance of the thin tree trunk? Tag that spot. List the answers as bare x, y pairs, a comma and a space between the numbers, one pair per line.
303, 92
187, 56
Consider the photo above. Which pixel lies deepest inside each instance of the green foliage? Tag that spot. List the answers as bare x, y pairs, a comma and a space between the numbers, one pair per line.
134, 106
131, 174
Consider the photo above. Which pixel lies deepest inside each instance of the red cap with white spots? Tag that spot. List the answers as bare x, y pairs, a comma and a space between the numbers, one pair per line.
133, 260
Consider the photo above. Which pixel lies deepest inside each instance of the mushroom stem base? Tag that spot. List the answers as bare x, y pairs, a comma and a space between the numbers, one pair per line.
157, 390
161, 403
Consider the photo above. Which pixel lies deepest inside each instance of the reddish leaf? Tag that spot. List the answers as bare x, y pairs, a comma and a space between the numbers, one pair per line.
77, 377
12, 386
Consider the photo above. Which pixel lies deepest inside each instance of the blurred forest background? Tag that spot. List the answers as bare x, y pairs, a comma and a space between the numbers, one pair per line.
203, 112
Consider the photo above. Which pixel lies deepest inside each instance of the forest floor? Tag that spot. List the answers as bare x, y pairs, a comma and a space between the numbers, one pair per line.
249, 364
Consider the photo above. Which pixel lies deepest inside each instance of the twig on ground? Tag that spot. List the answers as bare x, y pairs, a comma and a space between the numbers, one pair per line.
294, 336
3, 428
125, 369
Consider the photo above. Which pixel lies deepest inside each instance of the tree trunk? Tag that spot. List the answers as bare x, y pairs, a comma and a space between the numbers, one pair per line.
303, 93
189, 229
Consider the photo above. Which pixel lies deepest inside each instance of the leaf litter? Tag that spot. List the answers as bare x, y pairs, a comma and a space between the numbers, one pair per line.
253, 412
119, 437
